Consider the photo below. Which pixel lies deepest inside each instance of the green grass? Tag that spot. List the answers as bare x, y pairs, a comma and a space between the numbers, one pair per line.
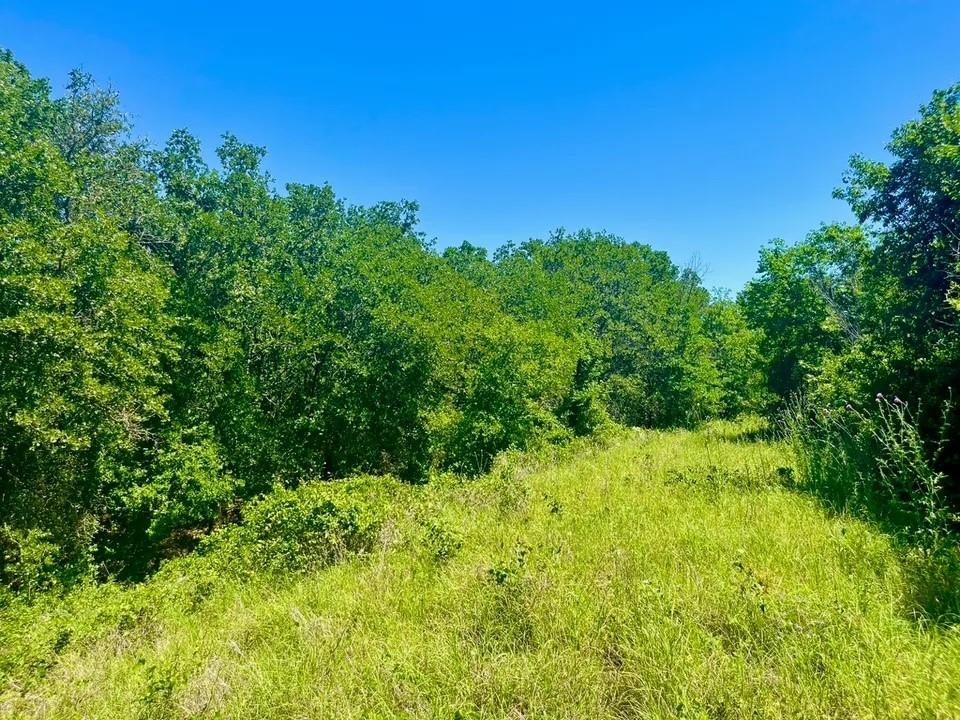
670, 575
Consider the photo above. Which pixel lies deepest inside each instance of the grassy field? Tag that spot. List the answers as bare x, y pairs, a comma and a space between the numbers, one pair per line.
669, 575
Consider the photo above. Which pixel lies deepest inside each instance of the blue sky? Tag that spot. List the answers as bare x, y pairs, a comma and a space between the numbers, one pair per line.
704, 129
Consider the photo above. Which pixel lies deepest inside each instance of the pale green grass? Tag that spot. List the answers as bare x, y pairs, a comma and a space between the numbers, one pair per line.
668, 576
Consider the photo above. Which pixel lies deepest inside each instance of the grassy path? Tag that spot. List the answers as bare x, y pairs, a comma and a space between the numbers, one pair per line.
668, 576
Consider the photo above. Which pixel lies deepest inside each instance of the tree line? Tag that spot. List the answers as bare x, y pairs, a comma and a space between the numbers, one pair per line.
860, 328
178, 337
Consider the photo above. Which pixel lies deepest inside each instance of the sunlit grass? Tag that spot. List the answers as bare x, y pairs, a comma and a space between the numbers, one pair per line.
669, 575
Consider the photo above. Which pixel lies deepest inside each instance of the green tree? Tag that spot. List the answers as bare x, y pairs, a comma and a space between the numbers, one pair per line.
911, 204
84, 327
805, 303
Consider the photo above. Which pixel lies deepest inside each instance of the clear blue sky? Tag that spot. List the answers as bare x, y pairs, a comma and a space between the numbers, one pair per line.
704, 129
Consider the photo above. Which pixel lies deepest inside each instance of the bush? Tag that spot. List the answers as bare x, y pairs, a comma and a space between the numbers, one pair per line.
34, 560
191, 486
585, 412
297, 530
30, 561
441, 540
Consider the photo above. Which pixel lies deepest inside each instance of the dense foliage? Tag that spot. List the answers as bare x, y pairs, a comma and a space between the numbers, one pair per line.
177, 338
865, 322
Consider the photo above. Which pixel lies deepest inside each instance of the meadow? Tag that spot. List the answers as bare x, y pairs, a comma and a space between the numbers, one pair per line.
661, 574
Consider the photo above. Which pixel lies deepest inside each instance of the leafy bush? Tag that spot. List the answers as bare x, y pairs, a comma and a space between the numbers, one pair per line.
441, 540
586, 412
190, 486
304, 528
30, 561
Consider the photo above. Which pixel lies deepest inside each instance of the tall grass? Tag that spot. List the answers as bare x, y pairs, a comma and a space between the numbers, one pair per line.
874, 463
671, 575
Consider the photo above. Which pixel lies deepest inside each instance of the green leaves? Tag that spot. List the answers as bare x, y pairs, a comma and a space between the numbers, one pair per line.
176, 338
853, 313
805, 301
631, 320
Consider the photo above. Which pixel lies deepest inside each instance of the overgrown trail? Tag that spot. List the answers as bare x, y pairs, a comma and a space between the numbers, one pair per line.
670, 575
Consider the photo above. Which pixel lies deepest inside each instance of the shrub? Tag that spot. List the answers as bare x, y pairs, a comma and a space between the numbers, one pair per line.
441, 540
29, 561
35, 560
585, 411
190, 486
304, 528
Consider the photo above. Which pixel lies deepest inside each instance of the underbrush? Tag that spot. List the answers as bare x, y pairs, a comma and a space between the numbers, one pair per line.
302, 529
874, 463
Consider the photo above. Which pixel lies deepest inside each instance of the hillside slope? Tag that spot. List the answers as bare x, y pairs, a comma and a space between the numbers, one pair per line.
671, 574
